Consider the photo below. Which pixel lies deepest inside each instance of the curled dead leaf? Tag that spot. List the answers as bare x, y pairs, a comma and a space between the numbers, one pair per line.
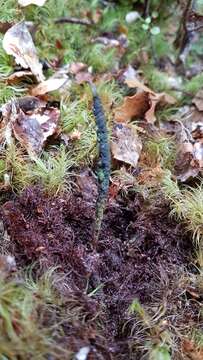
142, 104
77, 67
83, 76
18, 76
135, 83
126, 146
198, 100
133, 106
31, 121
18, 42
191, 350
51, 84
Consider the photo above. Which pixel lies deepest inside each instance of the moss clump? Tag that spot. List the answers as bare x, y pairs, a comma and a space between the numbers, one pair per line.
99, 58
162, 150
187, 205
194, 85
24, 306
53, 171
8, 10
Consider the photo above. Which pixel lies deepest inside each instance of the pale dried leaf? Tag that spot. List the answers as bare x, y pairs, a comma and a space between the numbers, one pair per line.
82, 354
198, 100
18, 76
132, 16
83, 76
133, 106
29, 2
32, 130
18, 42
191, 349
143, 102
49, 85
31, 121
126, 146
76, 67
134, 83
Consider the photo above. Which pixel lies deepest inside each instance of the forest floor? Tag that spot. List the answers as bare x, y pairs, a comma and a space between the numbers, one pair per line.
136, 292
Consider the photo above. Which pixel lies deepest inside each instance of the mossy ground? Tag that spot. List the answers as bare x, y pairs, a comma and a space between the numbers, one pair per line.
139, 296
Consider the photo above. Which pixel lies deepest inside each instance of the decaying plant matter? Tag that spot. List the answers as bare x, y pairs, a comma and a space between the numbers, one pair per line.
101, 250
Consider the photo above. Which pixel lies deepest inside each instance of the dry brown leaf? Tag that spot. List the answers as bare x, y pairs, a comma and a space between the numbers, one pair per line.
126, 146
143, 102
4, 26
133, 106
198, 100
52, 84
134, 83
18, 76
77, 67
31, 121
29, 2
18, 42
162, 99
189, 137
83, 76
185, 167
191, 350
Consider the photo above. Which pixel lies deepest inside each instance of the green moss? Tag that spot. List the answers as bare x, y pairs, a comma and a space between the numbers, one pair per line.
23, 310
53, 172
8, 92
157, 80
162, 47
77, 117
162, 150
110, 93
8, 10
100, 58
194, 85
5, 62
187, 206
17, 168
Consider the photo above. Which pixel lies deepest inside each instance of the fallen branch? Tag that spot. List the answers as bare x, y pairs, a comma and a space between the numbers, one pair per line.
72, 20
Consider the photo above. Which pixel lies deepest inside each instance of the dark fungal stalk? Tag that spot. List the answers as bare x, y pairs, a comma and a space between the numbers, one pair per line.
104, 163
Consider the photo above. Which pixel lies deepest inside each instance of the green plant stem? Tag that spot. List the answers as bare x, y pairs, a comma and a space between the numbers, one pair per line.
104, 165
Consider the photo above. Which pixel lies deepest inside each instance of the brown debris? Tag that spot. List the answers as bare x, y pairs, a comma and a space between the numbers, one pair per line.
140, 255
18, 42
133, 106
198, 100
126, 145
29, 2
142, 104
190, 349
18, 76
30, 121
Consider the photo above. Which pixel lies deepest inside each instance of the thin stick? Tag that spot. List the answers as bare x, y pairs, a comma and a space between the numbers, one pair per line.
181, 40
146, 8
72, 20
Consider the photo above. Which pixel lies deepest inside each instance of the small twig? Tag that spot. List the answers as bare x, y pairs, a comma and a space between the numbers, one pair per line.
182, 37
186, 93
72, 20
104, 162
146, 8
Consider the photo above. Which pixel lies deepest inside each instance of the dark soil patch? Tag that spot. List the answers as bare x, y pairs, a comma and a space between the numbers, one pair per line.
141, 254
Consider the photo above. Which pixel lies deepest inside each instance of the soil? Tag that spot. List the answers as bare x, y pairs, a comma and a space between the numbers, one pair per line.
142, 253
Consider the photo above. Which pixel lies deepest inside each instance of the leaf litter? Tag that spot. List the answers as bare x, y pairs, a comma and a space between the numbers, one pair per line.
18, 42
144, 256
142, 104
31, 121
29, 2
